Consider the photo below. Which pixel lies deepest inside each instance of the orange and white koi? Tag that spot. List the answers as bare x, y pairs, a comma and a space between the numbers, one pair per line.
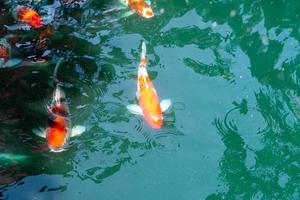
28, 16
58, 123
59, 129
140, 7
149, 105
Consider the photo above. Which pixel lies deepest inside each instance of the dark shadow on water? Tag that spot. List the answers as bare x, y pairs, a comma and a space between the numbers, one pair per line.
114, 137
24, 94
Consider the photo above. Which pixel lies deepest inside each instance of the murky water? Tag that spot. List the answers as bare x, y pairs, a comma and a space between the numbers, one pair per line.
231, 69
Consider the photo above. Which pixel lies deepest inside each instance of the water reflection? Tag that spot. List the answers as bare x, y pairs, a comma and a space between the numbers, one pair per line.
250, 162
212, 39
93, 66
262, 165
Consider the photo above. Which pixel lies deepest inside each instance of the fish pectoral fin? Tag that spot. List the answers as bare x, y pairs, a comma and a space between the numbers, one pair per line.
135, 109
165, 104
77, 130
39, 132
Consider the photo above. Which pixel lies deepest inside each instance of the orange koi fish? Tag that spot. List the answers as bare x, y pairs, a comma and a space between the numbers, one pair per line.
59, 129
28, 16
140, 7
149, 104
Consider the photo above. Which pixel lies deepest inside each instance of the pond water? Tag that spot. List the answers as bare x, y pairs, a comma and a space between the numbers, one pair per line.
230, 68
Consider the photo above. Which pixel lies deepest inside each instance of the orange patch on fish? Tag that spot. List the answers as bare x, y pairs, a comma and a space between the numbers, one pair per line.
149, 102
56, 133
4, 52
141, 8
29, 16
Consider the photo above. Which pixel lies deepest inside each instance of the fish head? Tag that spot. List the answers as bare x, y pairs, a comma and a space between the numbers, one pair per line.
146, 11
59, 104
59, 95
57, 133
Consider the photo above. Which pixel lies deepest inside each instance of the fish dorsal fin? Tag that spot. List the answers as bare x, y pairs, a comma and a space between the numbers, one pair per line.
165, 104
77, 130
135, 109
41, 132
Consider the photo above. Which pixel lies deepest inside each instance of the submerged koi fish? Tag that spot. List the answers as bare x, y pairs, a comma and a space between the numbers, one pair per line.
28, 16
140, 7
4, 50
149, 105
59, 129
59, 124
5, 60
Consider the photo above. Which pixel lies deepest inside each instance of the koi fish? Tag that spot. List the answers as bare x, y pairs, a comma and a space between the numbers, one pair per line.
149, 104
59, 129
140, 7
4, 50
5, 61
28, 16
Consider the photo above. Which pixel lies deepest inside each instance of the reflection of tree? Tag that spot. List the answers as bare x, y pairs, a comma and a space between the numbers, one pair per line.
268, 33
89, 68
274, 171
233, 169
25, 92
204, 39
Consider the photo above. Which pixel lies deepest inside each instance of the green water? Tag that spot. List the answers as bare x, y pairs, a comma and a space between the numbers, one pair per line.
231, 69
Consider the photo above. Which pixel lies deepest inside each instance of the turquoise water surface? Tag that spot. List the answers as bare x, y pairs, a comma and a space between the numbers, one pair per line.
230, 68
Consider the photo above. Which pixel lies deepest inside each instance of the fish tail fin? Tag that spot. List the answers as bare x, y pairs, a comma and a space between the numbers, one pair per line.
56, 69
144, 50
